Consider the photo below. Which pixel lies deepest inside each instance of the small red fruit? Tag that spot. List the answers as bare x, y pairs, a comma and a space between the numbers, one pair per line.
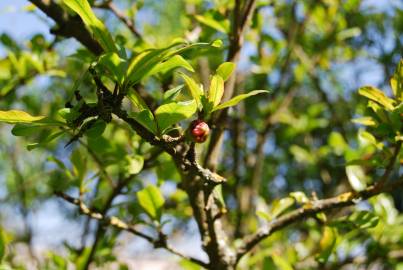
199, 130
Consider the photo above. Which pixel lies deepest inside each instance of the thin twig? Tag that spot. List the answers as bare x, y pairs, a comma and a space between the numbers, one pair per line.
121, 225
313, 207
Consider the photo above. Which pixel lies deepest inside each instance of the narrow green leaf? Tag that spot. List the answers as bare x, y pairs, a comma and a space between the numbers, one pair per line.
358, 220
24, 129
141, 64
378, 96
176, 61
2, 245
101, 33
216, 90
366, 121
137, 100
171, 94
115, 65
211, 22
234, 101
225, 70
396, 82
194, 89
173, 112
15, 116
151, 200
45, 141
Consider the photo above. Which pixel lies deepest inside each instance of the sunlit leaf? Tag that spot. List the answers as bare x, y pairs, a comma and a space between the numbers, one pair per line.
378, 96
220, 26
234, 101
194, 89
171, 94
135, 164
176, 61
225, 70
327, 243
101, 33
173, 112
151, 200
15, 116
216, 90
116, 66
356, 176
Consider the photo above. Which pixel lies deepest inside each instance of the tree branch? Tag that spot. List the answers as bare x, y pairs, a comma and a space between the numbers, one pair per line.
68, 26
121, 16
313, 207
121, 225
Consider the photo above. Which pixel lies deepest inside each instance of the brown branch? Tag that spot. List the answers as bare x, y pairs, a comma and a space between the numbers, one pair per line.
240, 22
67, 25
121, 16
119, 224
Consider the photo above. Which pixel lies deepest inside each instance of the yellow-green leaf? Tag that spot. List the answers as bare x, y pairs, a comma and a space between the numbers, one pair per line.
173, 112
194, 89
151, 200
176, 61
378, 96
225, 70
101, 33
115, 65
327, 243
15, 116
234, 101
216, 90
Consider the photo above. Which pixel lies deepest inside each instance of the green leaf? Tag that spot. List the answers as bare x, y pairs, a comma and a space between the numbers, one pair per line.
217, 43
137, 100
171, 94
216, 90
194, 89
24, 130
2, 245
45, 141
151, 200
299, 197
234, 101
15, 116
146, 119
225, 70
378, 96
96, 129
356, 176
396, 82
358, 220
173, 112
327, 243
176, 61
116, 66
337, 142
211, 22
101, 33
135, 164
366, 121
143, 63
279, 206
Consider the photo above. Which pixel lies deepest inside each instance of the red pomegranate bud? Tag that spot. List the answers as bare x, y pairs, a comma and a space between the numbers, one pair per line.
199, 130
